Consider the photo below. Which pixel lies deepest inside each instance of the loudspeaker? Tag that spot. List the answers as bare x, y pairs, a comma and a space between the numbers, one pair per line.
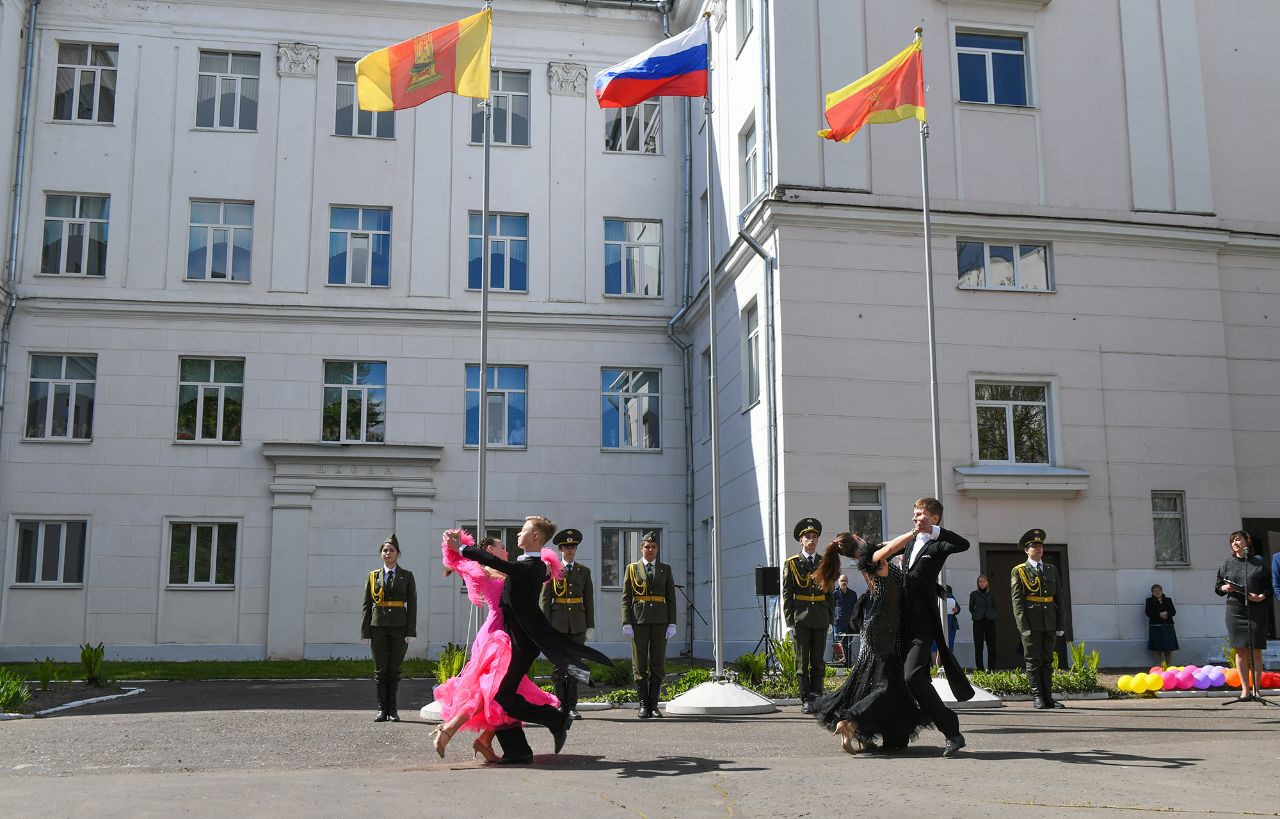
767, 581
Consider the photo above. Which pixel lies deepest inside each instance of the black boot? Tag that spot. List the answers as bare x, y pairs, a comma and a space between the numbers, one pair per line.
392, 687
806, 706
655, 692
382, 702
1037, 693
1046, 689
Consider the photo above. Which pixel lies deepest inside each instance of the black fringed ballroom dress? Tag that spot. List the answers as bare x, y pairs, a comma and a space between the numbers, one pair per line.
875, 695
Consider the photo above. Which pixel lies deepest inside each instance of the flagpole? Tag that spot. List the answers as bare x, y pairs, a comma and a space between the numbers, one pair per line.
483, 420
928, 290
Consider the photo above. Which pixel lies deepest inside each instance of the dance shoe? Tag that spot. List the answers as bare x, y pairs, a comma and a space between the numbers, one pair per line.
519, 759
485, 750
954, 744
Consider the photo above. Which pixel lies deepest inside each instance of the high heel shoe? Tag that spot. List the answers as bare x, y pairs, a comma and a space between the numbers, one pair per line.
485, 750
440, 739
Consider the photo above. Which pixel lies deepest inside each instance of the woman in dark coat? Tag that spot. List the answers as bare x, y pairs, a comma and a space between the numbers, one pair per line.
1161, 638
1242, 579
982, 608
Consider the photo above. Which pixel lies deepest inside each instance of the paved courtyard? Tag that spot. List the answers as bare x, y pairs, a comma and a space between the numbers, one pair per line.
311, 749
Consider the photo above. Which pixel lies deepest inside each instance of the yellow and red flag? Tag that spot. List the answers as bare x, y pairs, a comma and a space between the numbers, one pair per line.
893, 92
450, 59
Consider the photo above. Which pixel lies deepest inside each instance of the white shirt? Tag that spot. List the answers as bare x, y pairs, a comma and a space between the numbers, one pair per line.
568, 566
1034, 565
387, 574
921, 539
529, 556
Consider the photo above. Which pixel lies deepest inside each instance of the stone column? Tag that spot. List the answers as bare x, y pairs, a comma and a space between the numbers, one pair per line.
413, 530
287, 586
295, 150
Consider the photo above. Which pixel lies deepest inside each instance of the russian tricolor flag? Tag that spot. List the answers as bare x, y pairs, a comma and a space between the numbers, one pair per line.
673, 68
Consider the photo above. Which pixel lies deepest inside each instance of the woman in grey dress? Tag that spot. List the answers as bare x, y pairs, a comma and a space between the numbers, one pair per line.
1242, 579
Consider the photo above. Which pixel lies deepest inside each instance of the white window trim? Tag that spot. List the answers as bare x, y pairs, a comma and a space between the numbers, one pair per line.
705, 359
12, 560
750, 357
67, 221
600, 393
1028, 39
749, 170
631, 112
629, 526
1050, 382
495, 93
97, 81
656, 247
364, 402
234, 128
71, 408
231, 230
882, 507
1181, 516
742, 31
1051, 279
506, 403
368, 233
201, 386
506, 252
355, 109
191, 585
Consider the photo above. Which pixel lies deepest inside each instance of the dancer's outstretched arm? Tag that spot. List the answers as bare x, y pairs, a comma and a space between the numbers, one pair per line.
894, 546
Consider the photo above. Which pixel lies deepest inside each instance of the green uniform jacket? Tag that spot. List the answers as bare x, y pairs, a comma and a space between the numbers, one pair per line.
1037, 601
804, 603
570, 603
645, 603
403, 597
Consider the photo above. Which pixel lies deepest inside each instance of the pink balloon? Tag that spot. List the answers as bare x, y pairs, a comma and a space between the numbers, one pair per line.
1193, 668
1170, 680
1185, 679
1155, 669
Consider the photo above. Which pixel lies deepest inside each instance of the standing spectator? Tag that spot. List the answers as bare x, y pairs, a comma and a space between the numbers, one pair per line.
982, 608
1161, 638
1242, 580
846, 599
953, 621
388, 623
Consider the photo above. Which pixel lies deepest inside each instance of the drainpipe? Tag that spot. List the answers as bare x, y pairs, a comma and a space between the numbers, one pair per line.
766, 133
774, 545
19, 164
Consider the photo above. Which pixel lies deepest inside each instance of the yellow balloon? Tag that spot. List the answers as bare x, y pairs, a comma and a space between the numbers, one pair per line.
1154, 682
1138, 684
1124, 682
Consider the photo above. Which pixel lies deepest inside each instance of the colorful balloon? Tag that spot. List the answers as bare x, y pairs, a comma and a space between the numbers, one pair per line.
1138, 684
1186, 679
1155, 682
1124, 682
1155, 669
1217, 677
1202, 680
1233, 678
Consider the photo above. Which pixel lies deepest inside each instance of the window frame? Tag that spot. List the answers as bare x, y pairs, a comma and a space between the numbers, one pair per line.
497, 90
1052, 433
86, 225
201, 388
1180, 515
212, 583
879, 507
238, 80
643, 249
506, 532
1016, 247
50, 397
234, 230
38, 559
506, 393
78, 70
645, 118
623, 554
750, 346
749, 173
1029, 83
349, 235
354, 386
496, 237
624, 395
376, 119
706, 394
745, 22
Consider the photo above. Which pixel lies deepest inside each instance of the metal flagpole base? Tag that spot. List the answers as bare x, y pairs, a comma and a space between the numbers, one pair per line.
719, 699
981, 697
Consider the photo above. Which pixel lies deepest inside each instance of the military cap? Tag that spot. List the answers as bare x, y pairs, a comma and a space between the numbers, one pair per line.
567, 537
1030, 538
653, 536
807, 525
392, 540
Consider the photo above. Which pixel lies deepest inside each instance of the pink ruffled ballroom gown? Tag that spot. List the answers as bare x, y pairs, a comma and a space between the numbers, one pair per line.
473, 689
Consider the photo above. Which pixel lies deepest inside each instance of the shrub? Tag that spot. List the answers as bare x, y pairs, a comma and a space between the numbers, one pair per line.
91, 659
46, 673
750, 668
13, 691
786, 652
621, 695
689, 679
616, 673
449, 663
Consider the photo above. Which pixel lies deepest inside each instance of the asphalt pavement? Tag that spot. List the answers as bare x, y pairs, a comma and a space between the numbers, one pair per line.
312, 749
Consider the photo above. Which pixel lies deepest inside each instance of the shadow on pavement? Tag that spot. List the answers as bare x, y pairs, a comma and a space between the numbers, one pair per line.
640, 769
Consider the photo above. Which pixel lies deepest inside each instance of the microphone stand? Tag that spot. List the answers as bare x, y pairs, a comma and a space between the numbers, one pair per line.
691, 605
1255, 673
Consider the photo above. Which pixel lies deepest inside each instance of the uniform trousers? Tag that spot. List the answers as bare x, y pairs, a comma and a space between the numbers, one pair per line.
811, 670
649, 658
1037, 651
388, 646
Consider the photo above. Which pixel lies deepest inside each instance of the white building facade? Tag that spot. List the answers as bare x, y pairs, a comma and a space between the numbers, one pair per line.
246, 324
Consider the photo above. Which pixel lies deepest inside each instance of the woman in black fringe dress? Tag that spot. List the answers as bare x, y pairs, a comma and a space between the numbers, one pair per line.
874, 700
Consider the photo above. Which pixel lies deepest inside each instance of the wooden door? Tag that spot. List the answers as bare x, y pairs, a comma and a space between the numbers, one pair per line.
998, 560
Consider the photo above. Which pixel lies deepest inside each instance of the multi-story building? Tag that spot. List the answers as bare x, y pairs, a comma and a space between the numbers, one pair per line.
246, 334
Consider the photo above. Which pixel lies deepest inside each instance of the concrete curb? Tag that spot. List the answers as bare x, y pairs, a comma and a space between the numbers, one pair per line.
128, 692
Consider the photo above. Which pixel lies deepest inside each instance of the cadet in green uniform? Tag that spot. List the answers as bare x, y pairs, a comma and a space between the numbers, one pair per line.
649, 619
569, 604
1037, 609
389, 621
808, 612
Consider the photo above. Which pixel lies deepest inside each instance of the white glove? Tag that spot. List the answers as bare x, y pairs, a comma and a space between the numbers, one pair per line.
671, 631
410, 639
591, 634
628, 631
1026, 633
364, 640
788, 631
1060, 633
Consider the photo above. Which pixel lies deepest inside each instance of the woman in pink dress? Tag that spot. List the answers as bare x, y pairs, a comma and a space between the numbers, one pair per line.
466, 701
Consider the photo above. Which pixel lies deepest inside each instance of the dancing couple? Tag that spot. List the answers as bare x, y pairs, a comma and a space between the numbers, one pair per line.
493, 694
889, 692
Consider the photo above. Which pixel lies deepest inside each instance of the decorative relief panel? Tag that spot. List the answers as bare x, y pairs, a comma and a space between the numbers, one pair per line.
297, 59
567, 79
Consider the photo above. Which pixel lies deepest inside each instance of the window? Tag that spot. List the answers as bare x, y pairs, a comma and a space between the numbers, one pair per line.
202, 554
506, 394
227, 91
750, 355
1002, 266
992, 68
508, 252
220, 241
618, 547
350, 119
210, 399
509, 535
750, 163
632, 258
634, 130
509, 93
706, 393
1169, 521
75, 234
60, 397
866, 512
630, 409
1013, 423
359, 246
85, 89
355, 402
746, 20
51, 551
